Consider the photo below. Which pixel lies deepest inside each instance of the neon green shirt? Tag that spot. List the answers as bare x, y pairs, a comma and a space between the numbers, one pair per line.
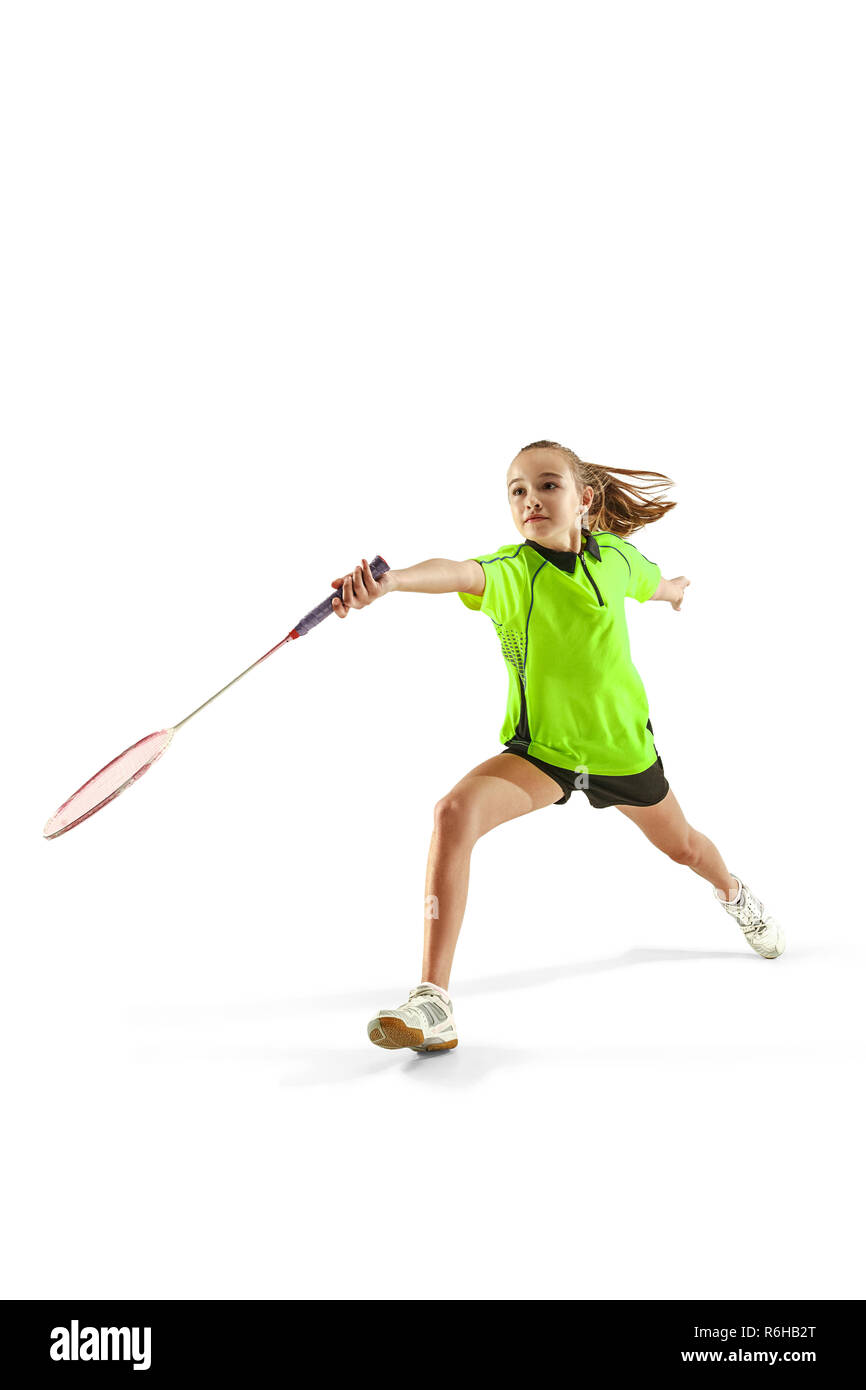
574, 697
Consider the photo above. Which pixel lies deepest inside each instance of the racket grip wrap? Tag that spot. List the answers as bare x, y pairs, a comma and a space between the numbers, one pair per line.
378, 566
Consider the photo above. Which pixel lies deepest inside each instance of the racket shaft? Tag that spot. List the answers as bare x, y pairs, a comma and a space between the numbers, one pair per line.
316, 615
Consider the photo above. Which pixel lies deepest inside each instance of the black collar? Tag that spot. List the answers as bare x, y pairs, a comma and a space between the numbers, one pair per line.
567, 559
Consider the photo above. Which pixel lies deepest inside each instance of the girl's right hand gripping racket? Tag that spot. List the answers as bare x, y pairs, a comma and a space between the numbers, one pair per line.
128, 766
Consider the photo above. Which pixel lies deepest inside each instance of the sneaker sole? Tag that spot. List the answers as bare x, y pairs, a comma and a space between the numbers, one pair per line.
393, 1033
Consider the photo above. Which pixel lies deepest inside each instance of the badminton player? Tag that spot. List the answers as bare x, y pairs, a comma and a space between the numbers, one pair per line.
577, 717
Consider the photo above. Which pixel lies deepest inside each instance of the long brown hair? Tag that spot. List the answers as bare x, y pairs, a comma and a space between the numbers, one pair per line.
617, 506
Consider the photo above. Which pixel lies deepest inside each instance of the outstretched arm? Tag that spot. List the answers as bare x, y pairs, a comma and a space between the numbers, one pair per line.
359, 589
672, 590
441, 577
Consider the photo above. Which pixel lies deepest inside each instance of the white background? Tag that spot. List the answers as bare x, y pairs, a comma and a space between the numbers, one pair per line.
287, 285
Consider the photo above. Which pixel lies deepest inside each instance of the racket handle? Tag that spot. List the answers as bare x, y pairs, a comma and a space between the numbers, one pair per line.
378, 566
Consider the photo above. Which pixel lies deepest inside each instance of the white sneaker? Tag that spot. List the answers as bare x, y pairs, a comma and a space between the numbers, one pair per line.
425, 1022
763, 933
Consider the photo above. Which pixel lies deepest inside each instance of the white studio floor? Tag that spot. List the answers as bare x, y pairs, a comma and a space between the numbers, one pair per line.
639, 1106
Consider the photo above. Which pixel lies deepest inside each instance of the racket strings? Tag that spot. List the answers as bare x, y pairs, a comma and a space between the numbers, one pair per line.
109, 782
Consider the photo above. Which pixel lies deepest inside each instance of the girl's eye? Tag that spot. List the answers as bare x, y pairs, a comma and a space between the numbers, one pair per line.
517, 490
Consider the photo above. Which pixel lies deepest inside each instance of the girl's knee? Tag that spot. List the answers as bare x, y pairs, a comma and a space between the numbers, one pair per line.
686, 849
454, 815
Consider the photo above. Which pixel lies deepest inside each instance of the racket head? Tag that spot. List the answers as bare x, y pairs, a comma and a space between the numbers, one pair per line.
108, 783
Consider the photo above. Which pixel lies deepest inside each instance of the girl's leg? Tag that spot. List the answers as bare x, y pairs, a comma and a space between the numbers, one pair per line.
667, 828
497, 790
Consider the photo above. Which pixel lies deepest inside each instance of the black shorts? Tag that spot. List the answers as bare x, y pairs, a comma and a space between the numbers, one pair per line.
646, 788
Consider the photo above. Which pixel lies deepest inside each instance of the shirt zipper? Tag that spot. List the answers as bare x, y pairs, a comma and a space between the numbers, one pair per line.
590, 578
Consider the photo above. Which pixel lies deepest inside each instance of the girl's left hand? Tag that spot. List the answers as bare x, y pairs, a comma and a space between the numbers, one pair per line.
681, 583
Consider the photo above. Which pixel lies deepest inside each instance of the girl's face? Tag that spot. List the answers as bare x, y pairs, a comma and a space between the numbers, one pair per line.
544, 500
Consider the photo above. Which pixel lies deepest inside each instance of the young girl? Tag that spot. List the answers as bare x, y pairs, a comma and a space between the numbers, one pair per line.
577, 715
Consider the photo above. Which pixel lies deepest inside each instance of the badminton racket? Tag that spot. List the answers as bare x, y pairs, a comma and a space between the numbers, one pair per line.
134, 761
